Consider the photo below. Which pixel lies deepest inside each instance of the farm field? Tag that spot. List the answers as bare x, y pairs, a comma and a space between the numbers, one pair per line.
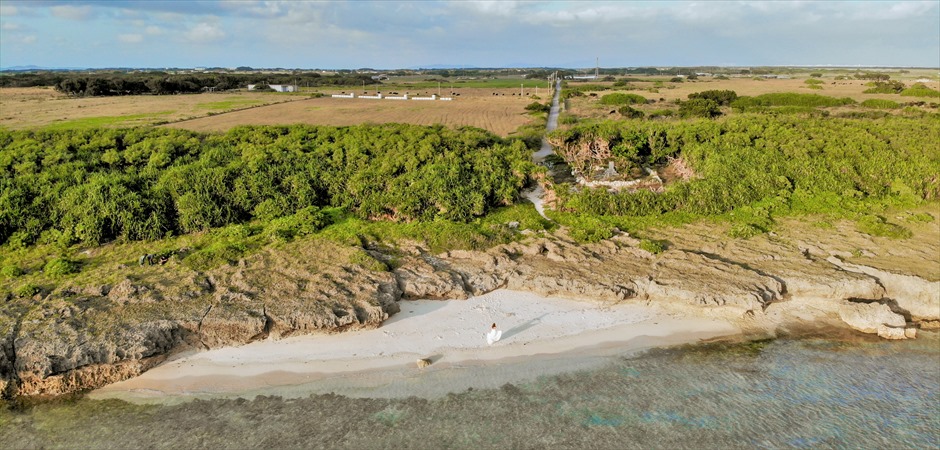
44, 107
665, 93
500, 110
501, 114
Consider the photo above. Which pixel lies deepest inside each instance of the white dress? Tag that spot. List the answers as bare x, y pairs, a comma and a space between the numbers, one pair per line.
493, 336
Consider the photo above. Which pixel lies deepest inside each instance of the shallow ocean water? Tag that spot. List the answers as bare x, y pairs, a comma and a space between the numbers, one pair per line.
806, 393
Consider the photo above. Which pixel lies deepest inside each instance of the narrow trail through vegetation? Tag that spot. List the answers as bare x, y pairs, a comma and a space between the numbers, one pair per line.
535, 194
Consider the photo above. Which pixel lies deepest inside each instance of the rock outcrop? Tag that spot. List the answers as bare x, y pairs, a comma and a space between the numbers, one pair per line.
876, 318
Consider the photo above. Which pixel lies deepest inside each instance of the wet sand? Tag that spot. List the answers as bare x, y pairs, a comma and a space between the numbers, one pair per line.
541, 336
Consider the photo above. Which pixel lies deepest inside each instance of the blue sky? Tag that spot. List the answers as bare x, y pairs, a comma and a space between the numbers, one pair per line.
387, 34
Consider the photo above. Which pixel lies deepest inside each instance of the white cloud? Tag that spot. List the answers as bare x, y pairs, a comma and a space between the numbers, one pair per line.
153, 30
8, 10
130, 38
9, 26
204, 32
28, 39
898, 11
71, 12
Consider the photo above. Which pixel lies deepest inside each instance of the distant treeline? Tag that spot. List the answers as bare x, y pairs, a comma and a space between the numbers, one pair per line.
158, 83
98, 185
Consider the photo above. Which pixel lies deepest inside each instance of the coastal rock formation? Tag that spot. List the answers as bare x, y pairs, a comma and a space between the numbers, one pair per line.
875, 318
74, 337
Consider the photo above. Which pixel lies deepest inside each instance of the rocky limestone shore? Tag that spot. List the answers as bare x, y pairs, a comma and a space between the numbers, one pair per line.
75, 338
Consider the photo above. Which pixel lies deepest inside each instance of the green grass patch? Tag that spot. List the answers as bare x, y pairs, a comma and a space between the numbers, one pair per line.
88, 123
501, 226
227, 104
878, 103
920, 90
877, 226
653, 246
61, 266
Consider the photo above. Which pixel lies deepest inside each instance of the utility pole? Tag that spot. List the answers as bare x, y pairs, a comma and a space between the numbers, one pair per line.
521, 89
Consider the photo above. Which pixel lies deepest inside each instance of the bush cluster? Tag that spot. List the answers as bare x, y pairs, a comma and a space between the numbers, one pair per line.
622, 98
97, 185
788, 99
793, 163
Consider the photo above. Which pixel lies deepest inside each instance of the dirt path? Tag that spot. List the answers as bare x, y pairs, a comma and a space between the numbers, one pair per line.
535, 194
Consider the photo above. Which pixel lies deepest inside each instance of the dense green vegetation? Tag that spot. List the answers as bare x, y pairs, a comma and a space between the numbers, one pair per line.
884, 87
721, 97
622, 98
788, 99
754, 167
880, 104
93, 186
920, 90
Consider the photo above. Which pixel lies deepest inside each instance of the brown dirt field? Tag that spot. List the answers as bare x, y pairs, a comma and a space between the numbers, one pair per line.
39, 107
500, 114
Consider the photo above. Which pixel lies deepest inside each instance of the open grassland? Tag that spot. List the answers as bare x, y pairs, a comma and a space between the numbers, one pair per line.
22, 108
663, 93
494, 108
501, 114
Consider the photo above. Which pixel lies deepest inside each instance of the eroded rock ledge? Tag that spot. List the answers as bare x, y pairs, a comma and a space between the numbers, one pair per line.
77, 338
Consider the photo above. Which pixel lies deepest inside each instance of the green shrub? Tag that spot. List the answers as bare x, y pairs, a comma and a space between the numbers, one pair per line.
721, 97
884, 87
584, 228
699, 107
61, 266
10, 271
789, 99
621, 98
880, 104
661, 113
920, 90
27, 290
676, 80
567, 119
816, 74
813, 82
878, 226
630, 113
745, 230
653, 246
537, 107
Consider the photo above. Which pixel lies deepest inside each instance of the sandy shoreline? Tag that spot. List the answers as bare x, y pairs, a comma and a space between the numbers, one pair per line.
541, 336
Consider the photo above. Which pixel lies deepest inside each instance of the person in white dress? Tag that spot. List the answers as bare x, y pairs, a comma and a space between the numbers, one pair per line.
493, 335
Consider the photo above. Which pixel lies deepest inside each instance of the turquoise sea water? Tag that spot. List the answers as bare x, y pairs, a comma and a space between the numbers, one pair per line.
807, 393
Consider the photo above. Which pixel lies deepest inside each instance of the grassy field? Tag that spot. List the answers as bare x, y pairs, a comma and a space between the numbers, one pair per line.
495, 107
44, 107
664, 94
499, 114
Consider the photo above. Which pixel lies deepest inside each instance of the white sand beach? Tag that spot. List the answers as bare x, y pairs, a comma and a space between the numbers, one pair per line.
541, 336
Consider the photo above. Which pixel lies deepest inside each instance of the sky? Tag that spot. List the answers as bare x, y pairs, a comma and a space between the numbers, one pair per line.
390, 34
